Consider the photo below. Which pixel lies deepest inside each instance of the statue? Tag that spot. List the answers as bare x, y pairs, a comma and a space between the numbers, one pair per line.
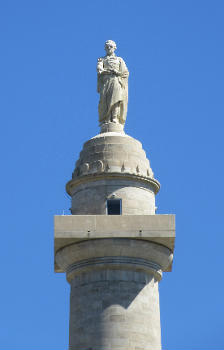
112, 84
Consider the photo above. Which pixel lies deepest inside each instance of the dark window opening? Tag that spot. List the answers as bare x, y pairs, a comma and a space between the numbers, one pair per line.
114, 206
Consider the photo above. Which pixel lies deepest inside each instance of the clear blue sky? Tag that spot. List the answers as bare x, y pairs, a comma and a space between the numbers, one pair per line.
175, 54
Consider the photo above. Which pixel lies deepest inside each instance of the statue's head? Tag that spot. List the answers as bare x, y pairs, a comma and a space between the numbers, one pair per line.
110, 46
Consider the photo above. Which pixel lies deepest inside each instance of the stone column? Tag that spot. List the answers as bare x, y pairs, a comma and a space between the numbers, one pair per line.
114, 262
114, 301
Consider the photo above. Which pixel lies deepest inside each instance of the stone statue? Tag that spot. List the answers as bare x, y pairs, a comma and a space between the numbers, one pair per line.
112, 84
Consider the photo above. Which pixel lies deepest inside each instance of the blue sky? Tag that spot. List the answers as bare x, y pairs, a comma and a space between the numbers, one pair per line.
175, 55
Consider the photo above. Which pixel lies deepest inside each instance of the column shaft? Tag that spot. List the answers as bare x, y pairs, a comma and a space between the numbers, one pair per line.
114, 309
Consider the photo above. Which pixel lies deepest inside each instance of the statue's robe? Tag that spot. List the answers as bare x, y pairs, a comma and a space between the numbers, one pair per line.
112, 88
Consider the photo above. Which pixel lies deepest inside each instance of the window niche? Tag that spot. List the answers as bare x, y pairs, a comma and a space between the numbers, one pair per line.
114, 206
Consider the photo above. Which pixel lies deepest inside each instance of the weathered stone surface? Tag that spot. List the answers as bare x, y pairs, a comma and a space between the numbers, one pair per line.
114, 310
112, 163
114, 292
113, 262
114, 149
75, 228
112, 84
90, 198
97, 253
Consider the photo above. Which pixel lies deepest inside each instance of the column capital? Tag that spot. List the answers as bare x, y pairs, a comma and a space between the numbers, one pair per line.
114, 253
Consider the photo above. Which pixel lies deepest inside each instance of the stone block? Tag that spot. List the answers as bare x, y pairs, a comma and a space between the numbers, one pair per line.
75, 228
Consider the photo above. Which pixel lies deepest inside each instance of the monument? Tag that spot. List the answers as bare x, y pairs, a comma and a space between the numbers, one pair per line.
113, 247
112, 84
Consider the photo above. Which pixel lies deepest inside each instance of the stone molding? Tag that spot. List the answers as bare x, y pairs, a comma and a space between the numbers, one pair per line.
113, 262
115, 175
111, 127
112, 152
114, 252
72, 229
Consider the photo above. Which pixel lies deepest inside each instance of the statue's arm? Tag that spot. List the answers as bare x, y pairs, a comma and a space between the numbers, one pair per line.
124, 73
100, 67
123, 70
102, 70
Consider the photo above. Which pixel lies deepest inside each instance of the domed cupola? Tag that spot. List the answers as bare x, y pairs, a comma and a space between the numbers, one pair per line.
113, 166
